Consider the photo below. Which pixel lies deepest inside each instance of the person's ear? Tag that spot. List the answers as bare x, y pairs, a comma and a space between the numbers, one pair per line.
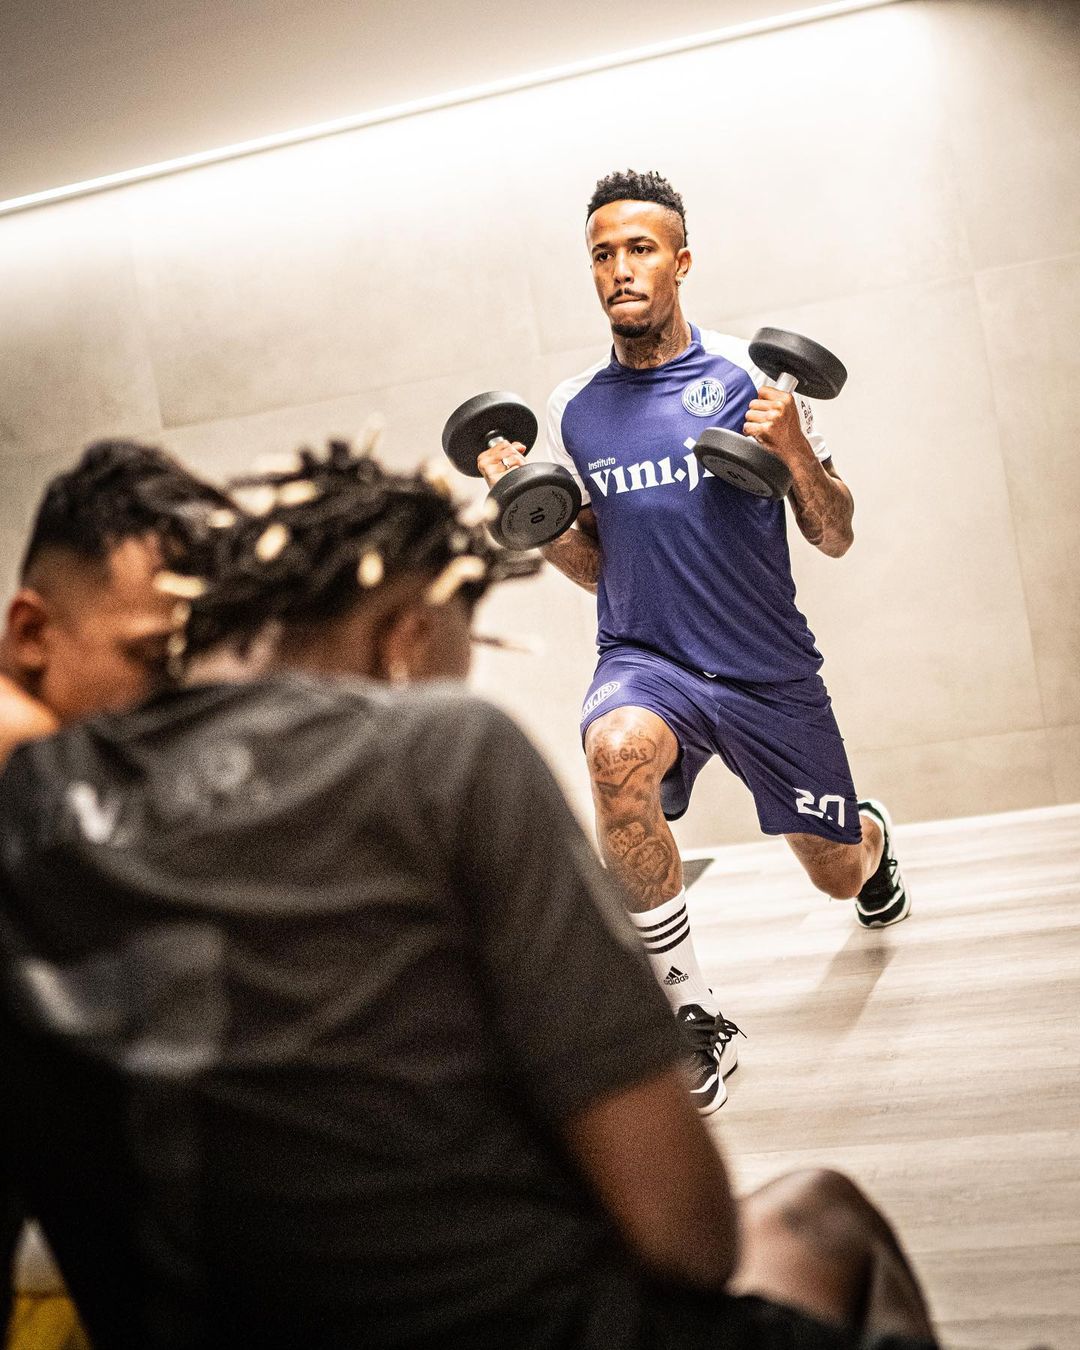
28, 621
683, 262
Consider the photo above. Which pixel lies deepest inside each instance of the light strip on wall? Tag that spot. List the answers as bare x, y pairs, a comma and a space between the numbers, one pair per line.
394, 112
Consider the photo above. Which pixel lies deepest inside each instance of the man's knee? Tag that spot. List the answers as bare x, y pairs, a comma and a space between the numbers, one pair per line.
835, 869
821, 1204
628, 750
825, 1188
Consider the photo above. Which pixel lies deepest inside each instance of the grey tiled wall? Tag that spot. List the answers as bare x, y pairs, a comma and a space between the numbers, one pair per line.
903, 184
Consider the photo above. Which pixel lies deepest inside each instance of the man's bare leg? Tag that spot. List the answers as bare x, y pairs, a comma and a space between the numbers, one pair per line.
867, 872
812, 1240
629, 750
840, 870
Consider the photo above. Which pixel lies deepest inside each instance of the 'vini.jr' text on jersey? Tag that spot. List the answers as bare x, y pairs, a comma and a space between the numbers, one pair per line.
693, 568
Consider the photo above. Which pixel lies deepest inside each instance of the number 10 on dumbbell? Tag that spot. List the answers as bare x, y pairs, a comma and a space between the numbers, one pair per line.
533, 503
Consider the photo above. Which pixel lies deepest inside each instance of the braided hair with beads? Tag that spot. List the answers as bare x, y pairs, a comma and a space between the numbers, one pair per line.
306, 543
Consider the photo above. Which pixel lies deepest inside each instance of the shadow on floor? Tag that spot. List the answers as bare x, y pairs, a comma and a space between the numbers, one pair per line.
855, 969
693, 868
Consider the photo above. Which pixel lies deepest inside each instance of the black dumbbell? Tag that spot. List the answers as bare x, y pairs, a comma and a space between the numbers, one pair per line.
790, 360
534, 503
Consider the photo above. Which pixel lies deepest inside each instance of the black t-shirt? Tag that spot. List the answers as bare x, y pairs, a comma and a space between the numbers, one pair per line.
300, 980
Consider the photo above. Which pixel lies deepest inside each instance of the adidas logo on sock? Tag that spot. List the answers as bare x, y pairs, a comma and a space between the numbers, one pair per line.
675, 976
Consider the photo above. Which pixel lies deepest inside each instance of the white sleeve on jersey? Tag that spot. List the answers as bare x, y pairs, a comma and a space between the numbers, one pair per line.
737, 350
557, 452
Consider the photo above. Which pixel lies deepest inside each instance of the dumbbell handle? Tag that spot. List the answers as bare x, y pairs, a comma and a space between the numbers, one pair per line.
491, 439
785, 383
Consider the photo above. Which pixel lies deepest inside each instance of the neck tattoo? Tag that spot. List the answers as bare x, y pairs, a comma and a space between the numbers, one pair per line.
656, 348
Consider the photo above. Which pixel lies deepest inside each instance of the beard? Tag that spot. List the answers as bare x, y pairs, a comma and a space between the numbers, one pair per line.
630, 329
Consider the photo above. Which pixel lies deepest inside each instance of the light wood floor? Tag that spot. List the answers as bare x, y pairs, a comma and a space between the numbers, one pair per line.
937, 1062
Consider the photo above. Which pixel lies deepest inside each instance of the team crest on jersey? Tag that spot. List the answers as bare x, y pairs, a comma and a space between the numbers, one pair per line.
704, 397
605, 691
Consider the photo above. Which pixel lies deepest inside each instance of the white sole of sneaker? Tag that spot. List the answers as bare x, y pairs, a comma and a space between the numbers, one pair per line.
729, 1058
717, 1102
868, 920
728, 1062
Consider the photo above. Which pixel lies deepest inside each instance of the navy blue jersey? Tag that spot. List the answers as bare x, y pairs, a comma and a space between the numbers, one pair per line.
693, 568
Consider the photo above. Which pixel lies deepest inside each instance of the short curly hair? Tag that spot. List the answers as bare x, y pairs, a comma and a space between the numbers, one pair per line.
628, 185
119, 490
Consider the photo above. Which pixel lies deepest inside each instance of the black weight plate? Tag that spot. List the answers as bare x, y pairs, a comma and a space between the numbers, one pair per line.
743, 462
469, 428
778, 352
536, 504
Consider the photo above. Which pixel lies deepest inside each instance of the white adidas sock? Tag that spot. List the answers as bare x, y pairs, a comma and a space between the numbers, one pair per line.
665, 931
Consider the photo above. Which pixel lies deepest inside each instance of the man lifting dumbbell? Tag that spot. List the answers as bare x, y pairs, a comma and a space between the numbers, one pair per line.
791, 362
684, 452
535, 503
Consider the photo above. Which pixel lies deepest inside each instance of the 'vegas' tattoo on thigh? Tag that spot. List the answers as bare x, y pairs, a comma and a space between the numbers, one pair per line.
613, 768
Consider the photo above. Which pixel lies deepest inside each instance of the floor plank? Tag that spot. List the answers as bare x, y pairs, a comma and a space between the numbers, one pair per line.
937, 1061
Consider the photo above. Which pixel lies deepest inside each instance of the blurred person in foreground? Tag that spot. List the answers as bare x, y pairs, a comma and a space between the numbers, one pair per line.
322, 1007
86, 630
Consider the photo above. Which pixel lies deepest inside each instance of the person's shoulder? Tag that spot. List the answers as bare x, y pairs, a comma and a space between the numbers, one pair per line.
449, 743
22, 718
295, 698
730, 348
289, 703
358, 695
450, 707
573, 385
341, 696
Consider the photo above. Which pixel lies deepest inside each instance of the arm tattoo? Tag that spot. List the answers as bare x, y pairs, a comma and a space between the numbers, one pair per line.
823, 508
577, 552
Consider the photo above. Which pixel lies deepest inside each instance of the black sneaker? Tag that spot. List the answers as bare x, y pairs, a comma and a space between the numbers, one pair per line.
711, 1054
883, 899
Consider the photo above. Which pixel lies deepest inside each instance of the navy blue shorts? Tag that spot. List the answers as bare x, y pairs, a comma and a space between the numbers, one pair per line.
780, 739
